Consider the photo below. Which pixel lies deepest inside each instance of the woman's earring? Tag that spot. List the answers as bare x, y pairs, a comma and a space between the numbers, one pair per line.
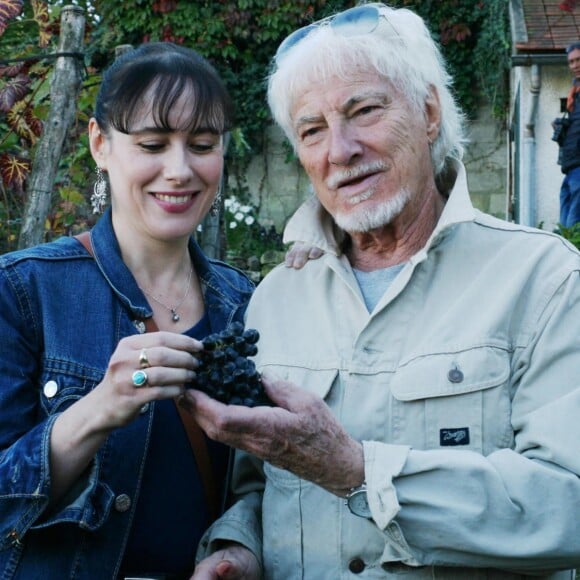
214, 210
99, 197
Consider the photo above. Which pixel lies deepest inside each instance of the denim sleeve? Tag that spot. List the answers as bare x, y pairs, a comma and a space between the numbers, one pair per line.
24, 441
25, 426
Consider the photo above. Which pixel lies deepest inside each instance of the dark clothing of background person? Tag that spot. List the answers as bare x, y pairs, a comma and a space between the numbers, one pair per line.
569, 154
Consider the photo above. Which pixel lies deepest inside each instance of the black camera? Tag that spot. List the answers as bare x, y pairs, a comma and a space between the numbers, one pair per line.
561, 125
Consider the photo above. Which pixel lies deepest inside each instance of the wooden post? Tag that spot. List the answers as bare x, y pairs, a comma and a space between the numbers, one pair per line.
64, 89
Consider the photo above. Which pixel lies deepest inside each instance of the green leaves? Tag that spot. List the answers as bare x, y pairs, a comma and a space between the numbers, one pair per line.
239, 38
28, 34
572, 234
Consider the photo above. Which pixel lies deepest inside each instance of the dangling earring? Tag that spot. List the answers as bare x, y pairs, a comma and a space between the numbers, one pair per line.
99, 197
214, 210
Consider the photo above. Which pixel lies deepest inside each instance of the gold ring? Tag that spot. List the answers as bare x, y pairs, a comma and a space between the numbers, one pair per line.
143, 360
139, 379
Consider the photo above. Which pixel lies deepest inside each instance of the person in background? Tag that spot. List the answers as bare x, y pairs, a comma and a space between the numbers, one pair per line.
97, 476
426, 370
567, 135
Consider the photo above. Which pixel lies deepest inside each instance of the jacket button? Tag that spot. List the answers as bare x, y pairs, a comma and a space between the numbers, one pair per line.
356, 565
50, 389
455, 375
122, 502
144, 408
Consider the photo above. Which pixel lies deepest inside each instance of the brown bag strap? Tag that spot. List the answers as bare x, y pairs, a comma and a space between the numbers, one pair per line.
195, 435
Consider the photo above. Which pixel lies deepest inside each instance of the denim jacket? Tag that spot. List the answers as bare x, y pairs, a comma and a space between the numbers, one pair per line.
62, 314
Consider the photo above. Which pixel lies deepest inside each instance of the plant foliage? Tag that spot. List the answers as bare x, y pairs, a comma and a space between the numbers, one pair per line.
239, 37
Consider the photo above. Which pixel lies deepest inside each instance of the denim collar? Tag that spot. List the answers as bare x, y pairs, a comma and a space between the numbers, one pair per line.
107, 255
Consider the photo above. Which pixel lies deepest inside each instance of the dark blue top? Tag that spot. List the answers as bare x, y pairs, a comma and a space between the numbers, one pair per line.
166, 531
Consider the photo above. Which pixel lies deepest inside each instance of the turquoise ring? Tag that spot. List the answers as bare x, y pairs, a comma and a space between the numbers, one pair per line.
139, 379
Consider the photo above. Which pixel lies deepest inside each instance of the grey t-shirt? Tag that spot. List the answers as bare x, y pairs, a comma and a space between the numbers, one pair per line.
374, 284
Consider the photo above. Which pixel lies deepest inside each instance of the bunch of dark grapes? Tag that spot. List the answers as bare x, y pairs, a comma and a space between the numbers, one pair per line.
225, 371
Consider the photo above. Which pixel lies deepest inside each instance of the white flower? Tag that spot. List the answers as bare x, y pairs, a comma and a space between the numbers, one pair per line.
246, 208
239, 216
232, 204
233, 225
249, 220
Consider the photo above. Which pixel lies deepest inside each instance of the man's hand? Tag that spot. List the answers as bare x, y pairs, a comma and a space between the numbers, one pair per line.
232, 563
300, 434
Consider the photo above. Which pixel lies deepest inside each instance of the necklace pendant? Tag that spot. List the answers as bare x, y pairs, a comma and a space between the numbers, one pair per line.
174, 315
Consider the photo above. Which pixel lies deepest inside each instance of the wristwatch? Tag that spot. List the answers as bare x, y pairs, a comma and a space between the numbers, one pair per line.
357, 501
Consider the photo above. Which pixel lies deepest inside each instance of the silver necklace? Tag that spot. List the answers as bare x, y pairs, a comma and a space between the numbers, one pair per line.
173, 309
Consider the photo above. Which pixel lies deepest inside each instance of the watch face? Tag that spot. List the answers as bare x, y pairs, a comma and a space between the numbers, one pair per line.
358, 504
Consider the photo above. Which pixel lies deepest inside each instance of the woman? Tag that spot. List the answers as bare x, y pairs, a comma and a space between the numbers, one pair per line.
97, 477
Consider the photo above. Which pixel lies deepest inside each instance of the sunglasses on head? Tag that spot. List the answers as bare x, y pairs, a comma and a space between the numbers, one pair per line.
358, 20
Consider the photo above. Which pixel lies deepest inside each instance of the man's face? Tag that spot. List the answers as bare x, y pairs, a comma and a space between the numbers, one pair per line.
365, 148
574, 62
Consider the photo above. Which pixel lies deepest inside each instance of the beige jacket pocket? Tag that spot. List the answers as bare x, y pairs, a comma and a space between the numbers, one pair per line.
454, 400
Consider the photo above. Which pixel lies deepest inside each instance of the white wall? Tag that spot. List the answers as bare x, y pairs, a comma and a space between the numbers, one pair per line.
547, 177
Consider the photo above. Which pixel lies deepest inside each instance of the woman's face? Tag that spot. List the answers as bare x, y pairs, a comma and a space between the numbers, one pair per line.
162, 182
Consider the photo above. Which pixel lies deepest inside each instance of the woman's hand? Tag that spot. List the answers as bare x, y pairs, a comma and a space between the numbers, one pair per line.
232, 563
165, 360
168, 362
300, 253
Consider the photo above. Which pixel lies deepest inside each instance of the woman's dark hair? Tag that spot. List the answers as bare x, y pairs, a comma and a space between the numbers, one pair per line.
170, 70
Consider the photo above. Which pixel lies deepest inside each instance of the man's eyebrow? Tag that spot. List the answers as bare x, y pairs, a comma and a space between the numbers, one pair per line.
356, 99
345, 107
307, 120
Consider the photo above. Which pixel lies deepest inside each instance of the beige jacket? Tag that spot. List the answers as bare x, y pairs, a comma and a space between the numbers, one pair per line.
463, 384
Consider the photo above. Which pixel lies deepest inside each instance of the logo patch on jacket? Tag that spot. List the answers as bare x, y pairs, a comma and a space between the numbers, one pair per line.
452, 437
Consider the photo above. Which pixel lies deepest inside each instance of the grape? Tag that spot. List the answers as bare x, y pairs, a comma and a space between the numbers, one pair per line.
225, 372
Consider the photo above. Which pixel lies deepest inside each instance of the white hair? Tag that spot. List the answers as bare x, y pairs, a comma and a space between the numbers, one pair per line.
400, 49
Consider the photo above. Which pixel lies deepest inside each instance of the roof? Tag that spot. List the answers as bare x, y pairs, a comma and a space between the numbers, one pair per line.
541, 26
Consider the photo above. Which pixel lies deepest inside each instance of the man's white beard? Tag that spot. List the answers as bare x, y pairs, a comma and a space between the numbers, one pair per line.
364, 219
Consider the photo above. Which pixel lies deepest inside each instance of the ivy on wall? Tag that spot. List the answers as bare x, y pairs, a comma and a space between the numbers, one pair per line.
241, 37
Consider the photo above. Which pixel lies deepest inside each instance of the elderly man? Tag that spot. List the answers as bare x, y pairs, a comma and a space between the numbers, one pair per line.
425, 370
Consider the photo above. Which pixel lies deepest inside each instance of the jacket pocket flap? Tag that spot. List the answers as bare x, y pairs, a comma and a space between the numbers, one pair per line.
317, 381
453, 373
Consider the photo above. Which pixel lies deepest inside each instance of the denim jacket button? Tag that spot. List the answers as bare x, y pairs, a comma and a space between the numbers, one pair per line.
144, 409
122, 502
50, 389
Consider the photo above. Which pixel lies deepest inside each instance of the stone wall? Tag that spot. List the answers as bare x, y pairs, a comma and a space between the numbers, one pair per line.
486, 163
